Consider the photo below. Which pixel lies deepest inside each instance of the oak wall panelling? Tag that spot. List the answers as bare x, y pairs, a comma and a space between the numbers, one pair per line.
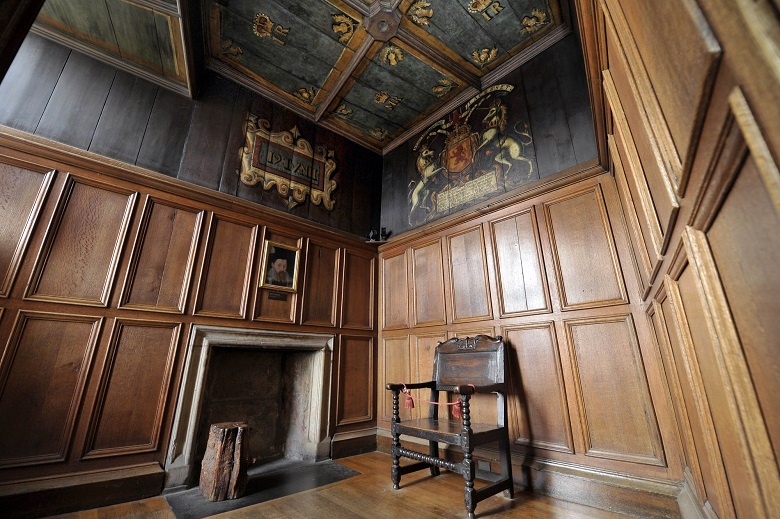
676, 108
322, 274
617, 374
469, 293
645, 269
540, 393
423, 350
395, 289
428, 284
395, 366
134, 390
28, 188
231, 245
358, 291
356, 374
79, 258
659, 175
84, 397
163, 257
655, 234
578, 246
43, 375
520, 273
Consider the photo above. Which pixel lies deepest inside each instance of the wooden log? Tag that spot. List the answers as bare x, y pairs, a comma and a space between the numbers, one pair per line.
223, 472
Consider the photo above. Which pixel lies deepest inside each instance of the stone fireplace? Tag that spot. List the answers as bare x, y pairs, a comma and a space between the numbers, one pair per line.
300, 364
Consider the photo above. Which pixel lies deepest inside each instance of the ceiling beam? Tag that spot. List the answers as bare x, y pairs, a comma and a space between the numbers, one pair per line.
16, 18
344, 76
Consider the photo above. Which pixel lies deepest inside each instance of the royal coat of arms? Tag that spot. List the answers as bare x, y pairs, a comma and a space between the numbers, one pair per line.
469, 156
288, 162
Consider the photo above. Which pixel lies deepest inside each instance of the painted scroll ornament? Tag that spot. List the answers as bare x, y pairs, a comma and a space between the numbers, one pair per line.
287, 161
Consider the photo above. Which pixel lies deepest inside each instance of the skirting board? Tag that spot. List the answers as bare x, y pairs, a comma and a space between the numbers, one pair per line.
577, 484
352, 443
56, 495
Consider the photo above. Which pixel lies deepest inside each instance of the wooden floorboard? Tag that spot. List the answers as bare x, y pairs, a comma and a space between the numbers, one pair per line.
371, 496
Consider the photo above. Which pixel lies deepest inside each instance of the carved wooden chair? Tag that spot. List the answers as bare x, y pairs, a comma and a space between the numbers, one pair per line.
464, 367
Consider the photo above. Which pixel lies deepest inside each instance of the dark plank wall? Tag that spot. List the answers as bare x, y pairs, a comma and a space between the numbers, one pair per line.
67, 97
551, 94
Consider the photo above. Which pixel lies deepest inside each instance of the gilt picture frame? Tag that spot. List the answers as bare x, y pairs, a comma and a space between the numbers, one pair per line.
279, 269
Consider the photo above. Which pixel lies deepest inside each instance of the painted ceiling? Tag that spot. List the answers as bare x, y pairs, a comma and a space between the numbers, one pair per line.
375, 71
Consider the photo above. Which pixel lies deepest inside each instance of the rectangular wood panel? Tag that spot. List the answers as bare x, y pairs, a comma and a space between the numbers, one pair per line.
134, 388
636, 130
428, 284
539, 397
358, 292
646, 268
43, 375
319, 303
659, 323
470, 297
22, 192
696, 401
522, 285
82, 247
163, 257
396, 368
356, 380
674, 40
581, 240
395, 292
423, 350
613, 392
225, 278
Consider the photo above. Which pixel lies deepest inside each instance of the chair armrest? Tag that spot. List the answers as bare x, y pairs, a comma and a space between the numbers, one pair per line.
471, 389
416, 385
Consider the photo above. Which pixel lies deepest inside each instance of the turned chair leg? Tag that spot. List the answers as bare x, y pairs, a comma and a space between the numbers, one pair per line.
506, 464
433, 450
395, 472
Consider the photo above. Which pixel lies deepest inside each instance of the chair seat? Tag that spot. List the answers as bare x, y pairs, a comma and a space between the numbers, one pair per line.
446, 431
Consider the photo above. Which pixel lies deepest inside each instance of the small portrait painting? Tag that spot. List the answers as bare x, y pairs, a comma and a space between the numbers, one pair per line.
280, 266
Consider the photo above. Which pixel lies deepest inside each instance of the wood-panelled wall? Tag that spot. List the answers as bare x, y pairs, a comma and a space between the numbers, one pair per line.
691, 113
640, 306
70, 98
552, 274
104, 270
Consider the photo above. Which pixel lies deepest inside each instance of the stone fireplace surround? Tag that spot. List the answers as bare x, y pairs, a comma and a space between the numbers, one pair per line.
313, 441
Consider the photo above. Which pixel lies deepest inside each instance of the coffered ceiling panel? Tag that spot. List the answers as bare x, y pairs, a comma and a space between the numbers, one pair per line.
143, 37
375, 71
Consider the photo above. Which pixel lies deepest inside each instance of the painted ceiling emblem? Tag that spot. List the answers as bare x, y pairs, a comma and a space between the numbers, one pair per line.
420, 12
264, 27
344, 26
286, 161
485, 56
534, 22
392, 54
379, 134
444, 87
305, 94
343, 111
473, 153
488, 8
231, 50
386, 100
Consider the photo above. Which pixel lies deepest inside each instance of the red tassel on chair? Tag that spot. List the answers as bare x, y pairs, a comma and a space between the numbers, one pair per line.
457, 411
409, 404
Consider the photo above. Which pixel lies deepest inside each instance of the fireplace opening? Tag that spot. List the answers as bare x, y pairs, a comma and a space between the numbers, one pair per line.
277, 382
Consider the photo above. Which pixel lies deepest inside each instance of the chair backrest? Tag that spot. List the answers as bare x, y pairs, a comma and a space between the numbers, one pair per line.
479, 360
